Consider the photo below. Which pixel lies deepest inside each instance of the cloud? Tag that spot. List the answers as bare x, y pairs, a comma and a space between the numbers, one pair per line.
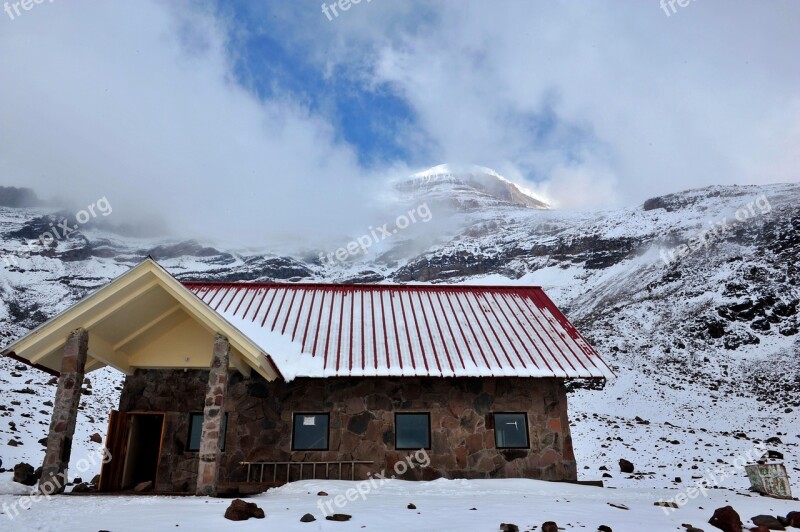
589, 103
639, 102
136, 102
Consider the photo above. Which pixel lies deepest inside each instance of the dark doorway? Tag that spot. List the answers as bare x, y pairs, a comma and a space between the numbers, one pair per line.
143, 450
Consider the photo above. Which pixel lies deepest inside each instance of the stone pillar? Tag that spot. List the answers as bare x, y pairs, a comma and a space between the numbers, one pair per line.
211, 437
65, 413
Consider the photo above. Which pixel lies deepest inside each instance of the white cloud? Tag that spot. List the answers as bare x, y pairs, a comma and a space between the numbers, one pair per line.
135, 101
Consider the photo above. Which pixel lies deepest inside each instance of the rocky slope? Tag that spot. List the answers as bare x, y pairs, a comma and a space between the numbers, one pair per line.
704, 337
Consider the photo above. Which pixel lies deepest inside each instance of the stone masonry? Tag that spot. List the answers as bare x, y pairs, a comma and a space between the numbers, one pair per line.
362, 423
211, 438
65, 413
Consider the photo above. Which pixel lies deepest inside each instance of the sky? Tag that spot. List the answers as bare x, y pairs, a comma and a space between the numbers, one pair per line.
251, 121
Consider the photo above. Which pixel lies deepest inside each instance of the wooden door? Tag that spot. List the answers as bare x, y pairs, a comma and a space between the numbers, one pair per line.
116, 447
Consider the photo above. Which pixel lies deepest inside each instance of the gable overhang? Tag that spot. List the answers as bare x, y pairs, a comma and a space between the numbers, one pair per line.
144, 319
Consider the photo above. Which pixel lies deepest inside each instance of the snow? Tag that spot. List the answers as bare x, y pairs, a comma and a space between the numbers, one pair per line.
442, 505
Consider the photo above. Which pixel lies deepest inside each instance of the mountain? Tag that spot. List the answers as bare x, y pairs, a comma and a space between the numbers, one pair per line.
469, 188
692, 297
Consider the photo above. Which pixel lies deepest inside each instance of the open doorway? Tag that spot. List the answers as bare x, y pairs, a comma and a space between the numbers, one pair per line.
134, 445
143, 449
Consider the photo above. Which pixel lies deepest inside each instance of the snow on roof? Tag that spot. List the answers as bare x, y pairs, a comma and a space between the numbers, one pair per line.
316, 330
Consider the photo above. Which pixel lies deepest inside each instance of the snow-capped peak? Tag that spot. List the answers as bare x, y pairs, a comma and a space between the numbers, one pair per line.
482, 180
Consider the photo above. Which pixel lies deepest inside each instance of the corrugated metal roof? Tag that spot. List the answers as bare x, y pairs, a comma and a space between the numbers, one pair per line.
409, 330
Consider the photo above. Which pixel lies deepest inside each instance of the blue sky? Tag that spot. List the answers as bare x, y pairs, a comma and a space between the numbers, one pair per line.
273, 109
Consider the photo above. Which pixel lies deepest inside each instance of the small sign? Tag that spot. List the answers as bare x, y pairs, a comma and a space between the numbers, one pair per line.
309, 420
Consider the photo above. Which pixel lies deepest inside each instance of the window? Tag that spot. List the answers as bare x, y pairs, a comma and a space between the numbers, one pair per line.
196, 429
511, 431
412, 431
310, 432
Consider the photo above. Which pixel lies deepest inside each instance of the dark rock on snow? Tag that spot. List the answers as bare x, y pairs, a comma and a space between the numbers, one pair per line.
240, 510
726, 519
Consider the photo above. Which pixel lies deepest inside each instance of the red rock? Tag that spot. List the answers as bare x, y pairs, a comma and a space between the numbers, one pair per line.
726, 519
96, 438
760, 528
768, 521
509, 527
625, 466
794, 519
549, 526
240, 510
144, 486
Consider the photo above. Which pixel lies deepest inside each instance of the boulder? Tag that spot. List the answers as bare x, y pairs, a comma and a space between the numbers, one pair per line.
81, 487
240, 510
338, 517
604, 528
726, 519
769, 521
793, 519
147, 485
96, 438
625, 466
411, 506
322, 494
95, 480
508, 527
549, 526
24, 474
308, 518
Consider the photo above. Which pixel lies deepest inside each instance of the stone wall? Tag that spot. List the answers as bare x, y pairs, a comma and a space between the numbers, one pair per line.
362, 423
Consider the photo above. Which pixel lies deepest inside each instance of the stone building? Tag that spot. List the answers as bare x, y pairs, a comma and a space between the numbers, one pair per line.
240, 386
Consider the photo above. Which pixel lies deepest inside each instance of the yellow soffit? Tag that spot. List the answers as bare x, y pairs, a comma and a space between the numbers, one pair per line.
103, 300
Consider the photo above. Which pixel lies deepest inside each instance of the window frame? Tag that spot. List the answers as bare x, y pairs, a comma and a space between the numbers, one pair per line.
430, 438
527, 430
327, 428
223, 429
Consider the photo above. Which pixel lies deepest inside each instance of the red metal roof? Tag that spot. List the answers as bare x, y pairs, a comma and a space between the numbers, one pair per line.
407, 330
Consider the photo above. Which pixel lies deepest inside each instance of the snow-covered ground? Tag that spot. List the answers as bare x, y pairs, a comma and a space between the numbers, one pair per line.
441, 505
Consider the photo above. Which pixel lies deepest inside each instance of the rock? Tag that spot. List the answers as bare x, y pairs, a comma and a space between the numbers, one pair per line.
794, 519
96, 438
760, 528
77, 480
625, 466
95, 480
411, 506
665, 504
338, 517
81, 487
690, 528
508, 527
678, 480
322, 494
43, 442
147, 485
768, 521
604, 528
774, 439
13, 443
726, 519
240, 510
24, 474
549, 526
308, 518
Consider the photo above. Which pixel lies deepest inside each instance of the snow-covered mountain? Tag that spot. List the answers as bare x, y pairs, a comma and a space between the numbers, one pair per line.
705, 337
470, 188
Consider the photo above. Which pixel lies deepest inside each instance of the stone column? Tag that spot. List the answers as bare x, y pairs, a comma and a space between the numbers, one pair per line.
65, 413
211, 437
